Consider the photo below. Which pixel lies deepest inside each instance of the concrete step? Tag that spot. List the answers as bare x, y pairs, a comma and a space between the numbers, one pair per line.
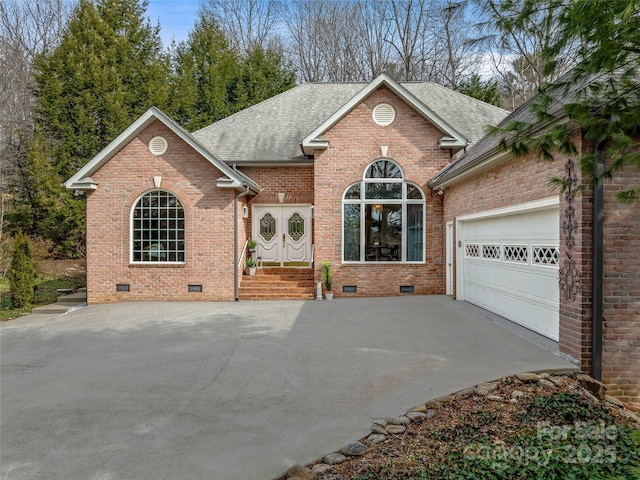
73, 298
53, 309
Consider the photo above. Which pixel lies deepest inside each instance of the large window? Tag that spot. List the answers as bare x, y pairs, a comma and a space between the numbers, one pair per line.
158, 228
383, 217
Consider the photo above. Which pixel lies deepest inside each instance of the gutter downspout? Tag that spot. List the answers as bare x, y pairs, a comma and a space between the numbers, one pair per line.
236, 279
598, 266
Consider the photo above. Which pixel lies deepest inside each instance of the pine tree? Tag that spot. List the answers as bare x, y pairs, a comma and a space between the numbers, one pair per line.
22, 275
107, 70
212, 81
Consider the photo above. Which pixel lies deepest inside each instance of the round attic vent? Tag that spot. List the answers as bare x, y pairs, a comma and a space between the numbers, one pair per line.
384, 114
158, 145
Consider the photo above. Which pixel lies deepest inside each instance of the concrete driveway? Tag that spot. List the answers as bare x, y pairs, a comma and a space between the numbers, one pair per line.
231, 390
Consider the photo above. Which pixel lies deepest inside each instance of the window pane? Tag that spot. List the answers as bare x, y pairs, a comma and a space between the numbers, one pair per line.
384, 169
351, 233
154, 235
383, 231
383, 191
353, 192
413, 192
414, 233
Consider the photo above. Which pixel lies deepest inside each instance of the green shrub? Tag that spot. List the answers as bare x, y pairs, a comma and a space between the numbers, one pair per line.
22, 275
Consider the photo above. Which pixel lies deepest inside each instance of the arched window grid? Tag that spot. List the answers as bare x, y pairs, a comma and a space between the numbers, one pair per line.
157, 228
361, 201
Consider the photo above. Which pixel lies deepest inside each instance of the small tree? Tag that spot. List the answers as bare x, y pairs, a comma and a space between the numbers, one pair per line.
22, 275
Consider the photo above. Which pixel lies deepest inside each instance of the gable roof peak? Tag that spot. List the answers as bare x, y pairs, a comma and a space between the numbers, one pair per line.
451, 137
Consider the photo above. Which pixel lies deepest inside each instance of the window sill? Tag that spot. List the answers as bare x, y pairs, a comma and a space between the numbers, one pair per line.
157, 265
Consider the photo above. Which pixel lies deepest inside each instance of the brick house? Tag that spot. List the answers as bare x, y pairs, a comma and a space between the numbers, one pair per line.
392, 183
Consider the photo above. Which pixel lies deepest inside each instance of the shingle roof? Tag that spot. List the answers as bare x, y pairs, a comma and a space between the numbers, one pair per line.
273, 130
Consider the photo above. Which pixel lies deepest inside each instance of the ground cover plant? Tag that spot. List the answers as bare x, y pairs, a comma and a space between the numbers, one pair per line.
518, 430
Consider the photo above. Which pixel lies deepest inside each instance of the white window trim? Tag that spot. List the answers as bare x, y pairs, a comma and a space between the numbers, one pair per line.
404, 201
132, 209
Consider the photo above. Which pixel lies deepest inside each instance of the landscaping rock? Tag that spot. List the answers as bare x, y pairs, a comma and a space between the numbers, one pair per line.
464, 394
376, 438
546, 384
420, 408
614, 401
378, 429
321, 468
416, 416
482, 392
395, 429
334, 459
354, 449
517, 394
544, 375
430, 413
380, 421
433, 404
298, 472
489, 387
597, 388
398, 421
557, 381
527, 377
495, 398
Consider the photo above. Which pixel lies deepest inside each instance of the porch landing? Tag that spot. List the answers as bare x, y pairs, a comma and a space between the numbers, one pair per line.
278, 284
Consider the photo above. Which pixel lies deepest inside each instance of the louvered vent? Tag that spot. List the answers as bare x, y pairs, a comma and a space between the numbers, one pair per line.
384, 114
158, 145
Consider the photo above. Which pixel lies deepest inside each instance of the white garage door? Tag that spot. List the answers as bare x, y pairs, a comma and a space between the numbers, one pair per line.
510, 267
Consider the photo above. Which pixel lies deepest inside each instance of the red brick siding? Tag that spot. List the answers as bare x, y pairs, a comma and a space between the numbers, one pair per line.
621, 303
209, 221
295, 181
354, 143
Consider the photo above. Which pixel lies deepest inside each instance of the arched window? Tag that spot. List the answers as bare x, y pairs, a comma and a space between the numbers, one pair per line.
383, 217
157, 228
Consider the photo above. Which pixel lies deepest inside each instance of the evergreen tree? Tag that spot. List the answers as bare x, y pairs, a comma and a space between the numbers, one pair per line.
601, 95
475, 87
108, 69
22, 275
212, 80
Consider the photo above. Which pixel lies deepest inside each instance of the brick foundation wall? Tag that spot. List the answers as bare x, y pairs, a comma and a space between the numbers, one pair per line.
209, 223
354, 143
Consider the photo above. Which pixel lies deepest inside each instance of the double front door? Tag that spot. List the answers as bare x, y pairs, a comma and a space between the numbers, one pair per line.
283, 234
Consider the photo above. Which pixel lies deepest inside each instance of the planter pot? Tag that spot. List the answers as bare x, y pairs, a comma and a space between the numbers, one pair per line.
252, 270
328, 295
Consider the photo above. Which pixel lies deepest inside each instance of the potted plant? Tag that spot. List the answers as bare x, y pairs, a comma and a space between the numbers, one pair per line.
326, 276
251, 266
251, 244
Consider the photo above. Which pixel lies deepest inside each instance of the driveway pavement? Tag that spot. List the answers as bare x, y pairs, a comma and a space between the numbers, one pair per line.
231, 390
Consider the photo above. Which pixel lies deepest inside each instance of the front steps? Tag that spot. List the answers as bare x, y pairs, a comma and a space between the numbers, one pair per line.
278, 284
63, 303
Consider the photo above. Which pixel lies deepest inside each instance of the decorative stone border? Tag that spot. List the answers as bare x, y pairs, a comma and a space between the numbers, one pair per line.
383, 428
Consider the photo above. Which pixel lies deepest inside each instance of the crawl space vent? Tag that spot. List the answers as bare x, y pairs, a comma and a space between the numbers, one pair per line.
384, 114
158, 145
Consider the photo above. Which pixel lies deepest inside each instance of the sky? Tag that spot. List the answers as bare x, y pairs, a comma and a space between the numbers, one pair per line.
176, 18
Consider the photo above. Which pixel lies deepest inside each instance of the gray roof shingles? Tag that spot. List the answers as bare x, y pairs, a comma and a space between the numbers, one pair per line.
272, 131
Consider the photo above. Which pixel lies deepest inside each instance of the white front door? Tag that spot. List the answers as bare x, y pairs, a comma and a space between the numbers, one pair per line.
283, 234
